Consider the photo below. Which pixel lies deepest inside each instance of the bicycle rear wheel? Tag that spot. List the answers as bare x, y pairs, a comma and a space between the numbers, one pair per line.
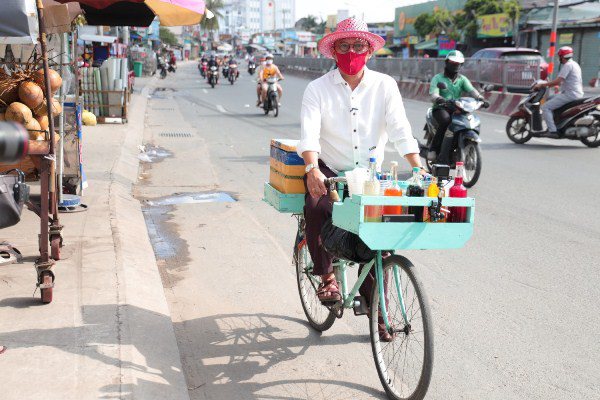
405, 364
319, 316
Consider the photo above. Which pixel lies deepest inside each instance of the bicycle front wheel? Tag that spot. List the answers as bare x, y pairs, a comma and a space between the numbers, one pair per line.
319, 316
404, 364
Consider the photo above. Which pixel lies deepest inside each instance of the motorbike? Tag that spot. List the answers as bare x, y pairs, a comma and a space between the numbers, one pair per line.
251, 67
465, 129
576, 120
213, 76
163, 70
272, 101
225, 70
233, 73
203, 68
172, 68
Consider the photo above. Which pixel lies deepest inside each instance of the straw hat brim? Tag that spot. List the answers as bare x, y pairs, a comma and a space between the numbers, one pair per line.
325, 45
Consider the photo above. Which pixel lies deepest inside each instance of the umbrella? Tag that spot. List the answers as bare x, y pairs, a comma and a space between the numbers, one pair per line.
141, 12
384, 51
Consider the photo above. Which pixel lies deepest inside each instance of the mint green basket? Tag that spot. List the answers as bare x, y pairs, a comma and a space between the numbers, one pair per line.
349, 215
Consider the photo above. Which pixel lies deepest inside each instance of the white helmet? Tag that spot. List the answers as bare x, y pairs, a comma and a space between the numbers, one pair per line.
455, 56
269, 55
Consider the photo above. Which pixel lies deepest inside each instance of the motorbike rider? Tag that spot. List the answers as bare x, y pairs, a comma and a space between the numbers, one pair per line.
456, 85
261, 66
270, 70
569, 79
212, 62
231, 62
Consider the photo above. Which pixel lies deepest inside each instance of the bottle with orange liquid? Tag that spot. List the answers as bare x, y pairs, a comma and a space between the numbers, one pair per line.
393, 190
372, 187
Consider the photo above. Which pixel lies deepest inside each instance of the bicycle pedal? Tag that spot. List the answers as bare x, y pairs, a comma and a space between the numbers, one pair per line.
360, 306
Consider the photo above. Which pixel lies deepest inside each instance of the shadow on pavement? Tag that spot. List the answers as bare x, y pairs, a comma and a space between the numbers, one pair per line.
97, 339
228, 356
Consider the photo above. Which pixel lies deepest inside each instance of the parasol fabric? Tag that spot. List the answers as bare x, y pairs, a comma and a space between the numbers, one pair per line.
141, 12
18, 22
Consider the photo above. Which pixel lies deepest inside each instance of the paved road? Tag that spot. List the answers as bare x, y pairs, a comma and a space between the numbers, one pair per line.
515, 312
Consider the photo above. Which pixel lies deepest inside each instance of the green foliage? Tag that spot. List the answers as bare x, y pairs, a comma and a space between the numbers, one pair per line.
167, 37
425, 24
309, 23
439, 22
216, 6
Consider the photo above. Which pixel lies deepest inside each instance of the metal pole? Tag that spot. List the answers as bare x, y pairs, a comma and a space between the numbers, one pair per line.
61, 121
552, 49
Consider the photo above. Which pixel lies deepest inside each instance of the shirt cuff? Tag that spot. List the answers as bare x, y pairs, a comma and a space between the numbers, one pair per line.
308, 145
407, 146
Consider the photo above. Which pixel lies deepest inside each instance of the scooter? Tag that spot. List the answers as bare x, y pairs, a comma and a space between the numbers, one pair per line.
225, 70
251, 67
464, 131
272, 101
172, 68
213, 76
576, 120
233, 73
163, 70
203, 68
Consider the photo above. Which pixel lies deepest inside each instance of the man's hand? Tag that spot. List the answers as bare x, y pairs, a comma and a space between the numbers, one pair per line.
314, 181
538, 86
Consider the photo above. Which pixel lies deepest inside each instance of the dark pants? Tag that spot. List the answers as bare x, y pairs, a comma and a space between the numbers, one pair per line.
442, 120
316, 212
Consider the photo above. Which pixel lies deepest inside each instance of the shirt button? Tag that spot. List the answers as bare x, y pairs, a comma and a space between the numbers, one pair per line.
354, 114
355, 130
356, 163
355, 147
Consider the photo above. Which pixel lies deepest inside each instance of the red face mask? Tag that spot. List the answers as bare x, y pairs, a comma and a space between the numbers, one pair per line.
351, 63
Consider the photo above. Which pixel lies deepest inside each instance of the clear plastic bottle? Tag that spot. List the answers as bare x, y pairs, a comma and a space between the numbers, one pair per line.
372, 187
415, 189
458, 214
393, 190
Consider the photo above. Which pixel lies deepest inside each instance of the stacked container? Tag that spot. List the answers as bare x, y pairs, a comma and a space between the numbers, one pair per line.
287, 167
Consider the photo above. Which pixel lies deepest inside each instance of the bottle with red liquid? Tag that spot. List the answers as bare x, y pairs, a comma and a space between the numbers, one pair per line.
458, 214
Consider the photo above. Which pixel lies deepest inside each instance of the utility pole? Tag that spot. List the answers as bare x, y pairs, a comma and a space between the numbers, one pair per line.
552, 49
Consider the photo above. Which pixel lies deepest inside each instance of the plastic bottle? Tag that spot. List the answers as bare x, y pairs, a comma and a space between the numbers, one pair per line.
426, 184
393, 190
372, 188
458, 214
415, 189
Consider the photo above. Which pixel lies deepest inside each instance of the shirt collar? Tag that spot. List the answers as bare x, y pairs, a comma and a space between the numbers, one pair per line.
337, 77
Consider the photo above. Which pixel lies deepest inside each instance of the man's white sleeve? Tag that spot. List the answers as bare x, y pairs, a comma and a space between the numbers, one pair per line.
565, 70
310, 122
397, 125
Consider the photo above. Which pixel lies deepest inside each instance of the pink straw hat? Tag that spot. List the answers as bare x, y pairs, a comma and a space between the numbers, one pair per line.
349, 28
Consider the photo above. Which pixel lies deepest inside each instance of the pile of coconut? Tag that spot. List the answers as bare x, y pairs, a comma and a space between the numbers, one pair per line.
22, 94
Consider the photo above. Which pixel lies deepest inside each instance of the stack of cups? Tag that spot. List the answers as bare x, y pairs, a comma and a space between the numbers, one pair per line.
356, 180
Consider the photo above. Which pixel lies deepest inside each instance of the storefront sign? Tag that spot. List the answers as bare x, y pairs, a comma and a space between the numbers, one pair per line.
413, 40
445, 45
565, 38
494, 25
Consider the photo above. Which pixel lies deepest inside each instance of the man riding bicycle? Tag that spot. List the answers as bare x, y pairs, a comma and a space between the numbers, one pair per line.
270, 70
456, 86
347, 116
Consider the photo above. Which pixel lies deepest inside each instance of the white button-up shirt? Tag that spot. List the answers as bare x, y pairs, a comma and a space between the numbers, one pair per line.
348, 127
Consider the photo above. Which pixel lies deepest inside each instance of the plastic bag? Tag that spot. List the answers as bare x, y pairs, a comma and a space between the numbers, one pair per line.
343, 244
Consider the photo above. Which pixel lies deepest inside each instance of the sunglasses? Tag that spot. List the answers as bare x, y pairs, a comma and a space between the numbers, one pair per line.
357, 47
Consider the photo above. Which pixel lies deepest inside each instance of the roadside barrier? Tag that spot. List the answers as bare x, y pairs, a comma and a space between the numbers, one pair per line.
500, 103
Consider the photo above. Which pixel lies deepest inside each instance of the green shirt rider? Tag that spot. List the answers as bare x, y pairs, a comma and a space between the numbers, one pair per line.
457, 86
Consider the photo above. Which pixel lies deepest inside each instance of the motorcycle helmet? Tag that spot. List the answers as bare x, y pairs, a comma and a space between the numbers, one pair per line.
565, 52
454, 61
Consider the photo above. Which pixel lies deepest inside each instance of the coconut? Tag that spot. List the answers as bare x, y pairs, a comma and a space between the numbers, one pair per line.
43, 121
18, 112
34, 130
31, 94
2, 117
55, 79
9, 90
42, 109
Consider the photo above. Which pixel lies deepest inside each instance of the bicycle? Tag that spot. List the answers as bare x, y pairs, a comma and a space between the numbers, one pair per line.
401, 301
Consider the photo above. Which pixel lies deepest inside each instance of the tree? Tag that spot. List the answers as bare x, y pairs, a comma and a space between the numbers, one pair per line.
439, 22
212, 24
167, 37
476, 8
309, 23
424, 24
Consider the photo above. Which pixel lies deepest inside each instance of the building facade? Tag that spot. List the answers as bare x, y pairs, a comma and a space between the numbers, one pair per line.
253, 16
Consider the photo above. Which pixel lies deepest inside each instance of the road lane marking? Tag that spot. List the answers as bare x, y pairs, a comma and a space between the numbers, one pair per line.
204, 91
222, 109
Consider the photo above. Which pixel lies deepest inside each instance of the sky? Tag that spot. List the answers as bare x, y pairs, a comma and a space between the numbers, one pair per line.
374, 10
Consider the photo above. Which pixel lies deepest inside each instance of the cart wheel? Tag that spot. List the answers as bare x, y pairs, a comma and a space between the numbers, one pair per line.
46, 293
55, 245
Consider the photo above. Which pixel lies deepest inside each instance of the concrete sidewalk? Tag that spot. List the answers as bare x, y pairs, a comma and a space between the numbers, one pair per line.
108, 333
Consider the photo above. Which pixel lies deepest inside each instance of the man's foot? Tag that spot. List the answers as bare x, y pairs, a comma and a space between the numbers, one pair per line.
2, 349
328, 291
384, 335
258, 103
431, 155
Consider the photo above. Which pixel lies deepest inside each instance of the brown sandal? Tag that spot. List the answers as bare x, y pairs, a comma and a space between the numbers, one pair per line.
329, 291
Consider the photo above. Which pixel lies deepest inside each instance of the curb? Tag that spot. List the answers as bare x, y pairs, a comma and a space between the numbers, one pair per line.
143, 309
